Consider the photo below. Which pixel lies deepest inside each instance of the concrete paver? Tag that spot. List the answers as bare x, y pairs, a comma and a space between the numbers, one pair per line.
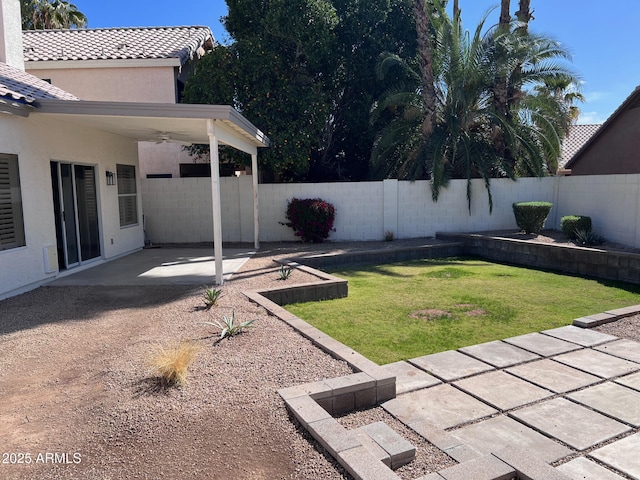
583, 469
622, 455
614, 400
570, 423
542, 344
450, 365
631, 381
581, 336
443, 406
501, 390
500, 432
627, 349
409, 378
499, 354
597, 363
557, 377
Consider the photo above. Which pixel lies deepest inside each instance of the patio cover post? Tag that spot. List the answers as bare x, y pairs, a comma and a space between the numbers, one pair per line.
256, 205
215, 197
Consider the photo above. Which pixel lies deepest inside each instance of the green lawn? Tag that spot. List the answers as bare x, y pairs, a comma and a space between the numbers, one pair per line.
405, 310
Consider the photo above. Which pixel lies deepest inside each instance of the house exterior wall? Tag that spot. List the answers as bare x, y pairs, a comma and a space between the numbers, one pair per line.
117, 84
23, 268
180, 209
615, 150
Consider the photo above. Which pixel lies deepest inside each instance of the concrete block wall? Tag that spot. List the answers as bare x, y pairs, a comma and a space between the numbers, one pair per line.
178, 210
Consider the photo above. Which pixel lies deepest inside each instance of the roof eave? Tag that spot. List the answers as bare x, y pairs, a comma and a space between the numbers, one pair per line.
15, 107
224, 113
106, 63
630, 99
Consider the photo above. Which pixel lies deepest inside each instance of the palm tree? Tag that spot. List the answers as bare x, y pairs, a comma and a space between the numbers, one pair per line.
463, 142
425, 59
51, 14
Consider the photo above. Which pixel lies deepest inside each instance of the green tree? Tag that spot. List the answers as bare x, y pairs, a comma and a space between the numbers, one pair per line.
464, 143
50, 14
304, 72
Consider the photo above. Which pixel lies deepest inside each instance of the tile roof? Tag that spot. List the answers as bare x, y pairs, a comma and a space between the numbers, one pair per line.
16, 84
578, 136
182, 43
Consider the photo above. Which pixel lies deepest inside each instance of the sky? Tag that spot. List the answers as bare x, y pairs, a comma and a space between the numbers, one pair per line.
603, 41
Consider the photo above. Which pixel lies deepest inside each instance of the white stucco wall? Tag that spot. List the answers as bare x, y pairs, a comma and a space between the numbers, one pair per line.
37, 140
180, 209
130, 84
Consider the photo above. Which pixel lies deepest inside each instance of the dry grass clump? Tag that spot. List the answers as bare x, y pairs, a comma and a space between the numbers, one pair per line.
172, 361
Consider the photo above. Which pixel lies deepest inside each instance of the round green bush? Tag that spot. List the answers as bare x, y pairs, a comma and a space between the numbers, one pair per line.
570, 224
530, 216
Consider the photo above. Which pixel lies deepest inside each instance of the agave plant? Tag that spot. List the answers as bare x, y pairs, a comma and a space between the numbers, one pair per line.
211, 297
284, 272
228, 326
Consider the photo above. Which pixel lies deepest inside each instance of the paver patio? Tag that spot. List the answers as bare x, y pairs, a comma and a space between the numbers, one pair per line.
552, 394
622, 455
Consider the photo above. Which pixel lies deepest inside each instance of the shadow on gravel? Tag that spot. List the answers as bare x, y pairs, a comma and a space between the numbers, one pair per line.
47, 305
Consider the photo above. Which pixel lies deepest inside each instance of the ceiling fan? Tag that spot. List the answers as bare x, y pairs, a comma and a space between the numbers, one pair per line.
164, 137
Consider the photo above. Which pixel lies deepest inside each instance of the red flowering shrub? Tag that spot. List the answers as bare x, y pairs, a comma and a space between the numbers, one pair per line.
310, 218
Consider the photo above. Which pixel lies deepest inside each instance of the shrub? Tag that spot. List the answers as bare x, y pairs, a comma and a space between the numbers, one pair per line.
171, 362
572, 223
530, 216
211, 296
310, 218
587, 238
284, 272
228, 325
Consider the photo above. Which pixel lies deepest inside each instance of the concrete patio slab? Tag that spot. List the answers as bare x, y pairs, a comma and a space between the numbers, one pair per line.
570, 423
499, 432
159, 266
442, 406
583, 469
557, 377
597, 363
581, 336
487, 467
543, 345
622, 455
613, 400
501, 390
631, 381
450, 365
409, 378
627, 349
499, 354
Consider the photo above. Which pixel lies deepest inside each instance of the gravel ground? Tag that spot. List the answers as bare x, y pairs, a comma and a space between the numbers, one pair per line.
78, 400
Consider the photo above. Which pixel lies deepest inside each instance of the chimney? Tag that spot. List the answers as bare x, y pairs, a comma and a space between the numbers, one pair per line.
11, 51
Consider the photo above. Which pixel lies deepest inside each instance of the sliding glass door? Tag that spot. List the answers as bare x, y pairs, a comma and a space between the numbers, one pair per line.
76, 208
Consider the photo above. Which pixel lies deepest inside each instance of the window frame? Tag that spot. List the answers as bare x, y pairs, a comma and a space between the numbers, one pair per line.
11, 204
127, 194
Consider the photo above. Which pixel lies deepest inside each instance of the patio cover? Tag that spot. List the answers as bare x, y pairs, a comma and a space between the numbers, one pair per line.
212, 124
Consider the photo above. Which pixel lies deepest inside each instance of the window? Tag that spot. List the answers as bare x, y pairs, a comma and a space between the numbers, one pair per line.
11, 220
127, 195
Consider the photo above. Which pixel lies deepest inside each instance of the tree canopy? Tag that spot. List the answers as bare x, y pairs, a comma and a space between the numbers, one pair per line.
50, 14
304, 72
476, 134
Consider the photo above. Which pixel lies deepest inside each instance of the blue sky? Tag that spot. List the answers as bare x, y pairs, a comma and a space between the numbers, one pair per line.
602, 36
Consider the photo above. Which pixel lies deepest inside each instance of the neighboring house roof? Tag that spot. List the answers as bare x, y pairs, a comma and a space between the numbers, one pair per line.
17, 86
139, 43
573, 142
632, 101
